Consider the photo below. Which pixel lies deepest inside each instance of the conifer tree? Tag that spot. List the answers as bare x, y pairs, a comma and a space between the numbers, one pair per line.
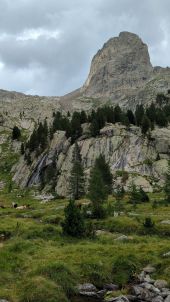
117, 114
76, 129
104, 169
94, 128
139, 113
145, 125
22, 148
74, 224
167, 184
76, 186
97, 192
131, 117
16, 133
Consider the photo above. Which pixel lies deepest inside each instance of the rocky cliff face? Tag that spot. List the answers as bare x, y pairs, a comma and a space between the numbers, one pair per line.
121, 73
132, 158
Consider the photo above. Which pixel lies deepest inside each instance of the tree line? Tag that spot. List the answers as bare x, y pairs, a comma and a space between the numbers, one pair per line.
145, 118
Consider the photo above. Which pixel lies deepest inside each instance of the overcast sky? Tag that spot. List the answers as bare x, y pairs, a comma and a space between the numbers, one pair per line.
46, 46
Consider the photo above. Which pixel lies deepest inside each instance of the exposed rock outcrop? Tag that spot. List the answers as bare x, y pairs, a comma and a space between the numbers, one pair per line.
125, 149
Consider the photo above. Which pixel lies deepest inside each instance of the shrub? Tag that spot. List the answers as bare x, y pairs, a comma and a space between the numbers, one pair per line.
16, 133
148, 223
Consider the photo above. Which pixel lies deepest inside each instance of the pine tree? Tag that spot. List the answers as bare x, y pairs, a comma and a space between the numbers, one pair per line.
167, 184
139, 113
97, 192
151, 113
76, 129
94, 128
76, 186
117, 114
143, 195
83, 117
16, 133
131, 117
22, 148
145, 125
104, 169
74, 224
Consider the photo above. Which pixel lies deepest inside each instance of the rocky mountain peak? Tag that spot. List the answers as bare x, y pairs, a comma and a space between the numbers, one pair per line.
123, 62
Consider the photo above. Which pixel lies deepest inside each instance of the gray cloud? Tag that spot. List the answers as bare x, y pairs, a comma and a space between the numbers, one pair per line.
46, 46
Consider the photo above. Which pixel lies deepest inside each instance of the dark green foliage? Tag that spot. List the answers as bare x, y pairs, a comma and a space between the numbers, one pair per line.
74, 224
117, 114
161, 119
16, 133
143, 195
138, 195
104, 169
76, 129
39, 139
151, 113
94, 128
139, 113
22, 148
167, 185
131, 117
83, 117
148, 223
145, 125
97, 192
76, 186
161, 99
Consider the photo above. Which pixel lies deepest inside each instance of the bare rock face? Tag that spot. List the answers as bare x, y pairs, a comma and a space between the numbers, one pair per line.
123, 63
132, 159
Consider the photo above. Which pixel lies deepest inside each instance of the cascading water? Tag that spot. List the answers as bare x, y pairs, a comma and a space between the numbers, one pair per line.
35, 177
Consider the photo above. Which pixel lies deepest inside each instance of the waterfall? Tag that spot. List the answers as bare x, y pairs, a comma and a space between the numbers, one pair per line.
35, 176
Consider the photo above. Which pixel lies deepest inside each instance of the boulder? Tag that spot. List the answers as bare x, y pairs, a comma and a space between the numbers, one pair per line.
111, 287
122, 238
166, 254
149, 269
86, 287
161, 284
165, 222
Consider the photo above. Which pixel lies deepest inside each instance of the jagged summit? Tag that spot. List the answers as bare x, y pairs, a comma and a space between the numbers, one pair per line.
121, 73
123, 62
